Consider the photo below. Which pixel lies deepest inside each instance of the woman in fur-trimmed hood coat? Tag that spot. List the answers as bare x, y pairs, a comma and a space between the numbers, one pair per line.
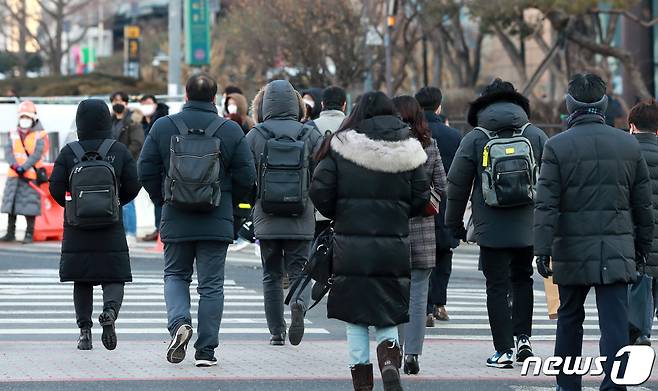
370, 182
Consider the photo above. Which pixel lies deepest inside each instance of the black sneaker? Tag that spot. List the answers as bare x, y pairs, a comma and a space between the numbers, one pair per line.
109, 337
178, 345
296, 330
278, 339
523, 348
203, 361
502, 360
84, 342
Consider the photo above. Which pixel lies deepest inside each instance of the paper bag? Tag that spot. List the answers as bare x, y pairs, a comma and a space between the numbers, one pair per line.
552, 297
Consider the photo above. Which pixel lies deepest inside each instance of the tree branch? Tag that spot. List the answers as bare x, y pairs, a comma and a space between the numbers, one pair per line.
628, 14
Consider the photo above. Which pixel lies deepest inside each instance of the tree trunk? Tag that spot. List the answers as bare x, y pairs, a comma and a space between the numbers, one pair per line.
22, 38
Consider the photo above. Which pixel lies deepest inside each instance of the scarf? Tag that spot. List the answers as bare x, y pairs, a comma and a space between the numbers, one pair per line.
591, 113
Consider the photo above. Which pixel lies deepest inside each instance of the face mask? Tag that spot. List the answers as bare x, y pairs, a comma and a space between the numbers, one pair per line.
25, 123
118, 108
147, 110
232, 109
309, 103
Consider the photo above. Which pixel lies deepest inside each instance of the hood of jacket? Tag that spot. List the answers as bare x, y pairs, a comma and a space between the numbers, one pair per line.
281, 101
93, 120
508, 115
382, 144
243, 106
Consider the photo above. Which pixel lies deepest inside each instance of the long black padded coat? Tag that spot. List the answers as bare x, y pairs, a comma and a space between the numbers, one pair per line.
370, 184
100, 255
649, 146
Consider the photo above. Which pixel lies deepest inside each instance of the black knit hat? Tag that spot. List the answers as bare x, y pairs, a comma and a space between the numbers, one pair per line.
93, 120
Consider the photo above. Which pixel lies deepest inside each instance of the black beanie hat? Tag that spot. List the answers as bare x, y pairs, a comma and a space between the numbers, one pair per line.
93, 120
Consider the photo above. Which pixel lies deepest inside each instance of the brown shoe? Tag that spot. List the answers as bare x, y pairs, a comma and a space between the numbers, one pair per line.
362, 377
390, 359
430, 321
152, 237
440, 313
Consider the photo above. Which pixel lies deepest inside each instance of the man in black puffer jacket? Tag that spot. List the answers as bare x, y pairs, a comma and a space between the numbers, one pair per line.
593, 214
504, 234
643, 123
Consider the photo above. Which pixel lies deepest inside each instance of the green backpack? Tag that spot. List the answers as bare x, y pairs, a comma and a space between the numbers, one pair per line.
510, 170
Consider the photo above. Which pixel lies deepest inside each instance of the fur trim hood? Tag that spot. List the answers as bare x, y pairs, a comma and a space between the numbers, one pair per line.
487, 100
379, 155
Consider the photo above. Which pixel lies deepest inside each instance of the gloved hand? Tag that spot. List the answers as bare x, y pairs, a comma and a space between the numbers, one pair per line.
459, 233
18, 169
544, 265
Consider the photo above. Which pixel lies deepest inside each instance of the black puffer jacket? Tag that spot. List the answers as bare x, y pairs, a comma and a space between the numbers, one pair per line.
494, 227
649, 147
593, 206
100, 255
371, 182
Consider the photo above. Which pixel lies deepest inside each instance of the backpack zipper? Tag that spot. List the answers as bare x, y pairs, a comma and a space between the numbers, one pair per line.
82, 192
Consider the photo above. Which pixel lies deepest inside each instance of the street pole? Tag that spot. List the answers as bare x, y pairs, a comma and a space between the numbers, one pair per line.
390, 23
175, 12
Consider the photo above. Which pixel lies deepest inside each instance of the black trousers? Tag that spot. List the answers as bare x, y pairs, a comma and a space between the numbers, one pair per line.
612, 304
508, 269
438, 292
83, 300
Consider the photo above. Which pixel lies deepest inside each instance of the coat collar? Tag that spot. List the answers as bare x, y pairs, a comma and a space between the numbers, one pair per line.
200, 106
379, 155
646, 138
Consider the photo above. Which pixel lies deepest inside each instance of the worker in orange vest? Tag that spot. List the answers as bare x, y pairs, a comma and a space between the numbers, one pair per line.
25, 154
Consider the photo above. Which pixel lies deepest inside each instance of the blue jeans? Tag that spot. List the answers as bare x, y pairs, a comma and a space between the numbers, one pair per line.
412, 334
358, 341
210, 259
130, 218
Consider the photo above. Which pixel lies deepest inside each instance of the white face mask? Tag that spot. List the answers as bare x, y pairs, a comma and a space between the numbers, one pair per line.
25, 123
232, 109
309, 102
147, 110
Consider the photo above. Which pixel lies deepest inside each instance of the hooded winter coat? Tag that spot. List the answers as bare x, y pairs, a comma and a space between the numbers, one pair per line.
242, 116
371, 183
99, 255
649, 146
281, 112
131, 132
494, 227
593, 209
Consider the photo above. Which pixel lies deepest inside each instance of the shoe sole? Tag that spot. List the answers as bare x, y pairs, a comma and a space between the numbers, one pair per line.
391, 379
109, 337
296, 331
507, 365
204, 363
178, 346
523, 355
277, 343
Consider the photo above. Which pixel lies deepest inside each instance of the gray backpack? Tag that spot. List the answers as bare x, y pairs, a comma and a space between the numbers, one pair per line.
510, 170
195, 167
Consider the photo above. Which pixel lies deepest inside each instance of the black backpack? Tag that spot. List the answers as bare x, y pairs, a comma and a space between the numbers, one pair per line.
284, 174
94, 192
318, 268
195, 167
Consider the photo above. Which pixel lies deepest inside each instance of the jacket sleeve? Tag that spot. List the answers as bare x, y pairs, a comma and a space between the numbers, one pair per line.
150, 166
129, 182
136, 143
324, 187
439, 180
460, 183
642, 208
37, 155
9, 152
243, 169
317, 140
547, 202
420, 191
59, 183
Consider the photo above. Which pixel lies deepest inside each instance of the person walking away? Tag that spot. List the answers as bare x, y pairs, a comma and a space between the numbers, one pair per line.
447, 139
210, 162
312, 108
28, 146
127, 129
643, 124
284, 228
422, 237
334, 105
505, 150
590, 174
370, 180
152, 111
94, 250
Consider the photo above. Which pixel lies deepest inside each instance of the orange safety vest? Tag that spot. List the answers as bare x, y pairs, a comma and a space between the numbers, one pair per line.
23, 149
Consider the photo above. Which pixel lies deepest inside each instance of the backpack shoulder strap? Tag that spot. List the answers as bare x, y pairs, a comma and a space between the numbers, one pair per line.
105, 147
522, 129
214, 126
487, 132
183, 129
304, 132
265, 132
77, 149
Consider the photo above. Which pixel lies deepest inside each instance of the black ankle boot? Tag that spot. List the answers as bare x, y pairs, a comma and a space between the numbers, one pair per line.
10, 236
29, 231
362, 377
109, 337
84, 342
389, 357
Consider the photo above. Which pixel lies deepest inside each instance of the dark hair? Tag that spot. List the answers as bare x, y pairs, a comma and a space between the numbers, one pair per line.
333, 98
201, 88
412, 113
498, 86
120, 94
587, 88
371, 104
148, 96
233, 90
644, 116
429, 98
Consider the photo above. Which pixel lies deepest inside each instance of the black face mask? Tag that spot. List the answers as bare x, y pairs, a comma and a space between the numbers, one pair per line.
118, 108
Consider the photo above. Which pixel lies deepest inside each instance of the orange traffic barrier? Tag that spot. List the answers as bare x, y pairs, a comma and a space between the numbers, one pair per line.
50, 225
159, 246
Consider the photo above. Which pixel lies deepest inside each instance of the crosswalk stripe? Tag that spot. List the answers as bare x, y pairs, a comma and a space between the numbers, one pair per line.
157, 297
126, 303
129, 321
162, 331
99, 308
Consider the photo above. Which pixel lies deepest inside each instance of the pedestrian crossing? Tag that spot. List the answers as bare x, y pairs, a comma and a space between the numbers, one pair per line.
34, 304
